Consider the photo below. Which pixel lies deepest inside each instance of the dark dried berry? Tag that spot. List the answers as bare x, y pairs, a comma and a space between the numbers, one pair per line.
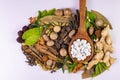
19, 40
20, 33
25, 28
58, 64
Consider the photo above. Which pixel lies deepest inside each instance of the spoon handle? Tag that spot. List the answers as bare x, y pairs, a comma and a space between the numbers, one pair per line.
82, 10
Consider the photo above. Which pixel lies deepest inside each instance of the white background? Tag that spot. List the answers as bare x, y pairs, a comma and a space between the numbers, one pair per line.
15, 13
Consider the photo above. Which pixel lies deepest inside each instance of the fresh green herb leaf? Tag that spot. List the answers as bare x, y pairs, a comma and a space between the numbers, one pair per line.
31, 40
64, 62
90, 19
63, 70
92, 16
93, 37
104, 65
99, 68
71, 66
39, 15
31, 36
43, 14
51, 11
88, 24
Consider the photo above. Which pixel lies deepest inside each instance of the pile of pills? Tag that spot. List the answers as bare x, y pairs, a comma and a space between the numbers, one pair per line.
80, 49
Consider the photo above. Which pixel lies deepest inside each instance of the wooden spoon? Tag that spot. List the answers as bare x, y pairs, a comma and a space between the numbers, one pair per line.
82, 33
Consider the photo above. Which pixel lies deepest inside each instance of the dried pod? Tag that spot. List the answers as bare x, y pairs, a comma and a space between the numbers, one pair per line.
58, 12
99, 22
91, 30
67, 12
98, 33
72, 32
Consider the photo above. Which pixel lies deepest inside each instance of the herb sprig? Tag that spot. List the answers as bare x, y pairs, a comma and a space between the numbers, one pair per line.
99, 68
42, 14
90, 19
70, 65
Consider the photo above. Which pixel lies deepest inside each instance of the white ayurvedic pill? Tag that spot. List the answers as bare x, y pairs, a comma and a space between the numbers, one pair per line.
80, 49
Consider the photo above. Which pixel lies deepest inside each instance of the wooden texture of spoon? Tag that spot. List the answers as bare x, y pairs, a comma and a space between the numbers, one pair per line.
82, 32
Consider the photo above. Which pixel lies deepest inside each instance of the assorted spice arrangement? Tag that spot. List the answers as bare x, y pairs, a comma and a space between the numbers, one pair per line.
45, 40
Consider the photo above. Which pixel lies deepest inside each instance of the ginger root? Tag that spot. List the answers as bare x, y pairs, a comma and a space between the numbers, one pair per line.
104, 45
97, 58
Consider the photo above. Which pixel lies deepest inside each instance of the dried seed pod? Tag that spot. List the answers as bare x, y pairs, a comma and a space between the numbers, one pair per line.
99, 22
98, 33
58, 12
91, 30
67, 12
72, 32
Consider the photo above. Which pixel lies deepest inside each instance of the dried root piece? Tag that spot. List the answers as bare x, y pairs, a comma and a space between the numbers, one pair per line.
106, 58
97, 58
92, 63
112, 60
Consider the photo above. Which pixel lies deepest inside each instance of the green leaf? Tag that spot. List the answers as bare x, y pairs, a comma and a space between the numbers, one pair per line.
104, 65
28, 33
93, 37
92, 16
31, 36
90, 19
31, 40
63, 70
71, 66
51, 11
44, 13
88, 24
39, 15
99, 68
